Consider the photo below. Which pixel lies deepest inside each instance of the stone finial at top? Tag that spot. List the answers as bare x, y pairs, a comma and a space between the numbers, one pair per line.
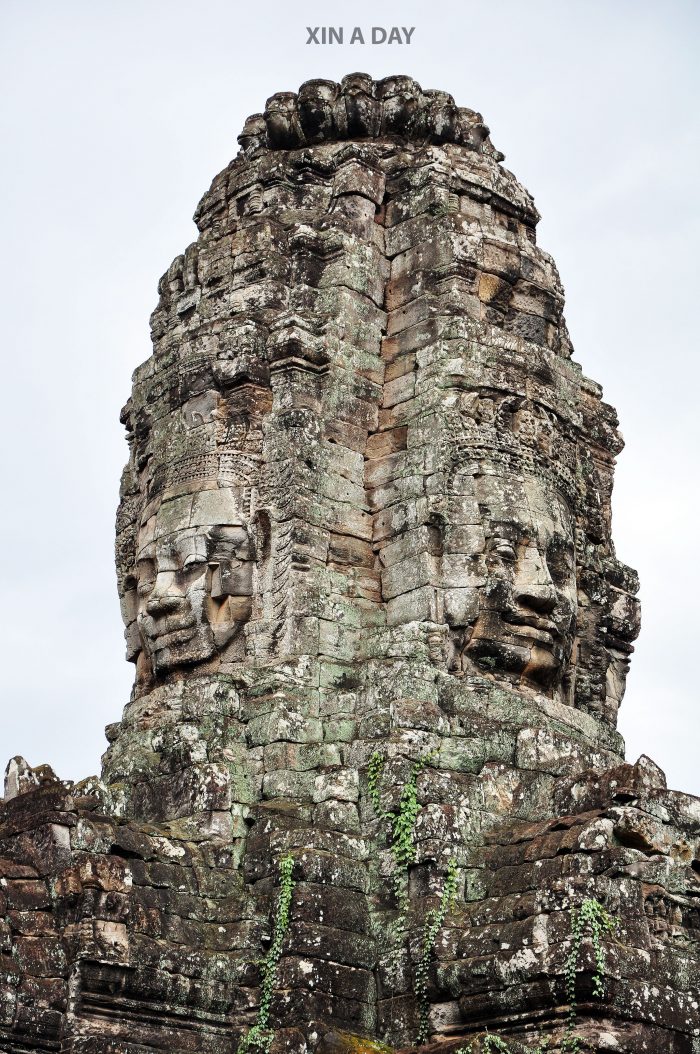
362, 108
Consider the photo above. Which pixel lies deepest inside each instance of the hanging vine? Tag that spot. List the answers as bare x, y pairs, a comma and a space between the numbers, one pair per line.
375, 769
259, 1037
402, 822
594, 921
434, 921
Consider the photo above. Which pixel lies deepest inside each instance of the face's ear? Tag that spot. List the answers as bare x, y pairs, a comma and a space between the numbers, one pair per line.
261, 531
128, 602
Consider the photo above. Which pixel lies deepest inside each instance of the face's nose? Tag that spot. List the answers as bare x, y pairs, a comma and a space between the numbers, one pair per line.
538, 598
165, 597
534, 588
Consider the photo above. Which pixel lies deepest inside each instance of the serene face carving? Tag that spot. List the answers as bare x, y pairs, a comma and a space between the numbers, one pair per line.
518, 615
194, 579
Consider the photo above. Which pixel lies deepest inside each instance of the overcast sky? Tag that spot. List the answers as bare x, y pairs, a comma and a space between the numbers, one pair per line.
114, 118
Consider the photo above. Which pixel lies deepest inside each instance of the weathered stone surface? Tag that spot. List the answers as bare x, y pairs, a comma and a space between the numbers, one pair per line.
369, 587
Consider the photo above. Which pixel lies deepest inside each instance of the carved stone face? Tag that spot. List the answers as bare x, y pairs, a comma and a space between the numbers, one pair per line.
515, 613
194, 579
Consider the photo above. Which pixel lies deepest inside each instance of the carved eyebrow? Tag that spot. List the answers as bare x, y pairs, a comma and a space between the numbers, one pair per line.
507, 527
224, 531
181, 544
225, 539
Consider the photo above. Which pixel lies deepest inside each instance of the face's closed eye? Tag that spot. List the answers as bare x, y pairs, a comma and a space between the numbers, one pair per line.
195, 560
503, 549
193, 568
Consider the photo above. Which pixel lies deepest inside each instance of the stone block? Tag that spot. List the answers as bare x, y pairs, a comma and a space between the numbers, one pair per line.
418, 605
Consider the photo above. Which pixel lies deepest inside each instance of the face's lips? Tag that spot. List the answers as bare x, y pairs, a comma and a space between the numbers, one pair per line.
178, 635
535, 626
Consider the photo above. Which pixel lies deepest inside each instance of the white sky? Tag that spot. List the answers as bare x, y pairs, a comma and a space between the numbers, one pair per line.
114, 118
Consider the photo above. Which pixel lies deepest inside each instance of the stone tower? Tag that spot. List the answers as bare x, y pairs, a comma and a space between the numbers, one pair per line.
380, 636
